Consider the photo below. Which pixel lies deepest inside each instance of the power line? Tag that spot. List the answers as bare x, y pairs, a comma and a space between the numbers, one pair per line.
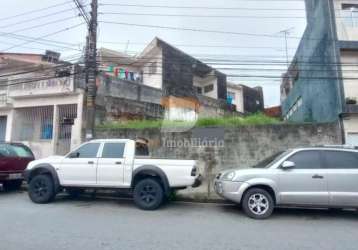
36, 18
199, 7
45, 24
34, 11
37, 68
200, 45
200, 16
225, 61
40, 41
47, 35
83, 13
29, 80
208, 31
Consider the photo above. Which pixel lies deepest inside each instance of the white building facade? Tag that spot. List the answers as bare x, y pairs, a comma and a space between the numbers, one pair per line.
45, 115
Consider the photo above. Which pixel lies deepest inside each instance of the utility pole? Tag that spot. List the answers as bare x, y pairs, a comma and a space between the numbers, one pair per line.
91, 70
286, 33
90, 65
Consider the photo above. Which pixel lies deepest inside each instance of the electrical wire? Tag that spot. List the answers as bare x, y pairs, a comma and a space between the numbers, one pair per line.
34, 11
39, 41
46, 35
45, 24
198, 7
37, 18
202, 46
200, 16
211, 31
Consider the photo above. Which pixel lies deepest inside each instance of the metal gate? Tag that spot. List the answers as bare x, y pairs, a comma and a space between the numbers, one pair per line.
67, 115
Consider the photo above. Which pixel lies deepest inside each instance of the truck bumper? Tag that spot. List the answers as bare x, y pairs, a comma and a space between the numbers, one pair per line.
198, 181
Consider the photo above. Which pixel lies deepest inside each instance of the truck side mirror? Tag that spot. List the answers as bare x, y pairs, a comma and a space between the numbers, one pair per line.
74, 155
288, 165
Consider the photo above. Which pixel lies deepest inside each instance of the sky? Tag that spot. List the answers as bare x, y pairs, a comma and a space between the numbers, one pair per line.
249, 42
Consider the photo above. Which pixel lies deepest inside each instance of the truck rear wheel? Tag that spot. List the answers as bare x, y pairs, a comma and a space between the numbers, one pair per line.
148, 194
41, 189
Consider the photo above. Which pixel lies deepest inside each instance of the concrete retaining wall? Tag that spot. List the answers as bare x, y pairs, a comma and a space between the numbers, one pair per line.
235, 147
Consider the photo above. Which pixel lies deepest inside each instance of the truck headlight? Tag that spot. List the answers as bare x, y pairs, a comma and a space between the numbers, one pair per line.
229, 176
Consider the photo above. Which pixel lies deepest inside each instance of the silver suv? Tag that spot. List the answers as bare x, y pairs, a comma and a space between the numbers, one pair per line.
304, 177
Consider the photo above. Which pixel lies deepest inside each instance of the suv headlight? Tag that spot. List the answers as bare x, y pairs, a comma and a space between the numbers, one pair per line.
229, 176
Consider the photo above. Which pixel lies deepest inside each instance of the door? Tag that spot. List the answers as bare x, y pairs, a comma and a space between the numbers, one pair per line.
3, 121
352, 139
80, 166
305, 183
342, 177
111, 165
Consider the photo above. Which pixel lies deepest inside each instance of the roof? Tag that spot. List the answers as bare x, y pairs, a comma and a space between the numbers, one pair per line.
158, 42
330, 147
113, 56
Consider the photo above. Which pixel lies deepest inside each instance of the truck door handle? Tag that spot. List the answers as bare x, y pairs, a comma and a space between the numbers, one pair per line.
317, 176
90, 162
118, 163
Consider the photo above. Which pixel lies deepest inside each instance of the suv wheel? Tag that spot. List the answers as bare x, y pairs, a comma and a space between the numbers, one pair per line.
41, 189
257, 203
12, 185
148, 194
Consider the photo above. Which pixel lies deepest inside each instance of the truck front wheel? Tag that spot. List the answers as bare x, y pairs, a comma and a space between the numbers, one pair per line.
41, 189
148, 194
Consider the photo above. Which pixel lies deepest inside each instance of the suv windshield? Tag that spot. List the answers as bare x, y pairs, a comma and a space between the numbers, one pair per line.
269, 161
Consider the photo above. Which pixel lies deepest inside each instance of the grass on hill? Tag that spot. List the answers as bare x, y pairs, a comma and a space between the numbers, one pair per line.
251, 120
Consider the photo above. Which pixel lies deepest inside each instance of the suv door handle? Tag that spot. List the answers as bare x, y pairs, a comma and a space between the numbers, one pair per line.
118, 163
317, 176
90, 162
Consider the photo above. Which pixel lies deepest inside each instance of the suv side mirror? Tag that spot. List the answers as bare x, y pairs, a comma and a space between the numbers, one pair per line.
74, 155
288, 165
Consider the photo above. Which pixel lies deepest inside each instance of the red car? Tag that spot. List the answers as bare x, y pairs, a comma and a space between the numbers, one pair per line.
14, 158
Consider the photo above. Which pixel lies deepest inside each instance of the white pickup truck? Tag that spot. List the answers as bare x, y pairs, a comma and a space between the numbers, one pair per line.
112, 164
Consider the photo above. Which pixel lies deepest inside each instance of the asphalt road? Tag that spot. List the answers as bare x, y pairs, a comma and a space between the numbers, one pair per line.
88, 223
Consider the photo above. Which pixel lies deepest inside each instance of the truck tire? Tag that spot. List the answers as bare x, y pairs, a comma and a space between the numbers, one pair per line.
41, 189
257, 203
12, 185
148, 194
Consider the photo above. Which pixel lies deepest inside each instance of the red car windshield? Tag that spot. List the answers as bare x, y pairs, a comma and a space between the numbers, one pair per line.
13, 150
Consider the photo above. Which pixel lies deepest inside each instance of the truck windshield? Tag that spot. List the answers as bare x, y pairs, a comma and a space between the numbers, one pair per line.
269, 161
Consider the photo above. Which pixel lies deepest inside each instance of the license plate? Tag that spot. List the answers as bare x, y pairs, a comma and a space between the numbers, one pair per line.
15, 176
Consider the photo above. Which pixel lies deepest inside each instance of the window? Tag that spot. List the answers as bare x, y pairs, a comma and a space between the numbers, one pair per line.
46, 129
3, 84
231, 95
113, 150
7, 150
87, 151
269, 161
350, 14
340, 160
199, 90
141, 149
306, 160
153, 68
208, 88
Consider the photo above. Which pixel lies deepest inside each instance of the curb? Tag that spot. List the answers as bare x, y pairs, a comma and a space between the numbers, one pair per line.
126, 195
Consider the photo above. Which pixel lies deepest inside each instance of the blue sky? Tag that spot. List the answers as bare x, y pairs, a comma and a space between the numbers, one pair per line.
206, 46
